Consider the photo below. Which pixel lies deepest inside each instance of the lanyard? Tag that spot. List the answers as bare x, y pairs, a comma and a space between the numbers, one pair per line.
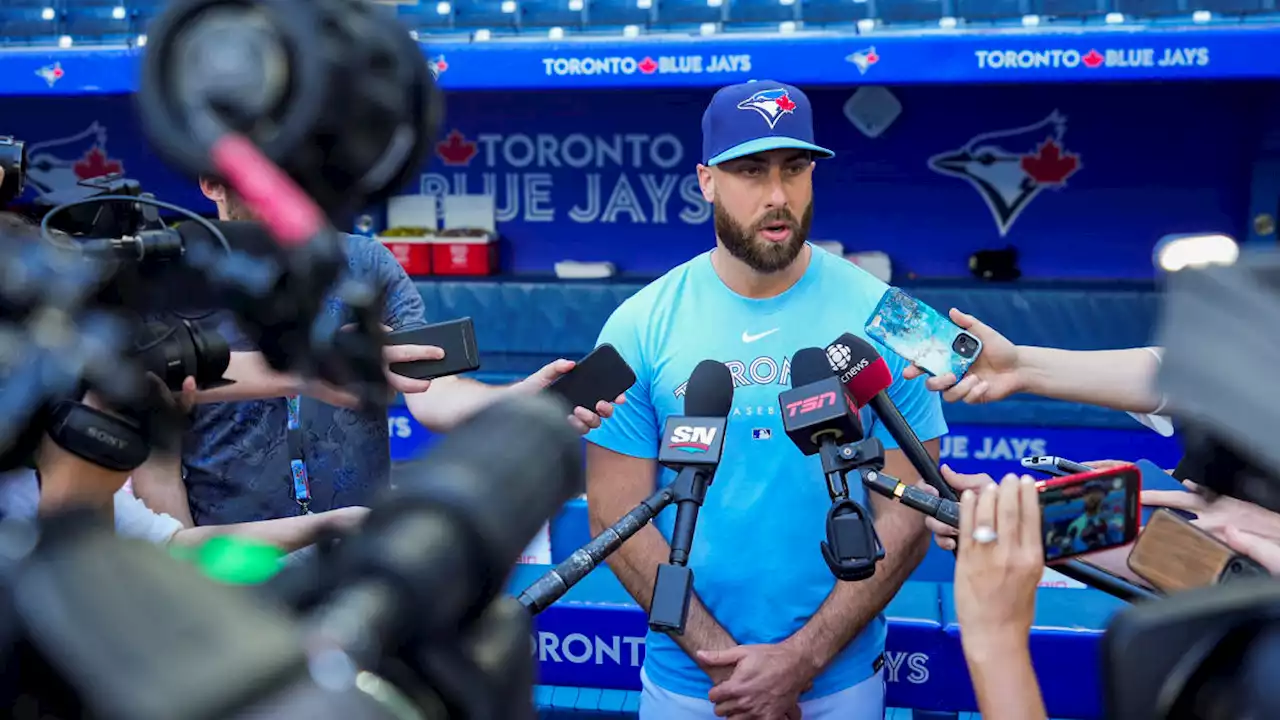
298, 468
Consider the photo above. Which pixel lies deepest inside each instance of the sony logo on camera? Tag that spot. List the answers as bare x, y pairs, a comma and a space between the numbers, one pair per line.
106, 438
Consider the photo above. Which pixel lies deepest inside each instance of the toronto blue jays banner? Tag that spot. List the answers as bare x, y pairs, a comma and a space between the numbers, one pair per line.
1223, 51
1081, 179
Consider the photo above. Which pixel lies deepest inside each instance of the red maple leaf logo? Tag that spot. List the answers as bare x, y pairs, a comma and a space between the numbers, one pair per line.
647, 66
1093, 59
441, 65
95, 163
785, 103
456, 149
1050, 165
873, 57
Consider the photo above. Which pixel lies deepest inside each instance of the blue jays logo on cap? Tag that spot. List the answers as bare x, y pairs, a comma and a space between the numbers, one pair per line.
771, 104
732, 127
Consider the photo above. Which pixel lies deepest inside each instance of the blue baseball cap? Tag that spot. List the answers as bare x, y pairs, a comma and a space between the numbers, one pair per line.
754, 117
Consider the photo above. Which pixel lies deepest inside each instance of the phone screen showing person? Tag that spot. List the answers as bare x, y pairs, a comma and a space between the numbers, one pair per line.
1089, 512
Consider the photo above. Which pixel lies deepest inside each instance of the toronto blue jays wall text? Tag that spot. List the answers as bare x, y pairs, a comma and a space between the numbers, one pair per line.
629, 178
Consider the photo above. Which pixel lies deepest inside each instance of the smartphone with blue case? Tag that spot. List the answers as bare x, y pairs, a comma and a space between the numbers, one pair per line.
922, 335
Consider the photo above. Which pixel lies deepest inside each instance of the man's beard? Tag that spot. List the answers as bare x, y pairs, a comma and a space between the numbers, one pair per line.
761, 255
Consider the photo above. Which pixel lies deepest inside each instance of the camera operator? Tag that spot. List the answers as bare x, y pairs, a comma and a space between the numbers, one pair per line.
66, 480
1000, 563
236, 459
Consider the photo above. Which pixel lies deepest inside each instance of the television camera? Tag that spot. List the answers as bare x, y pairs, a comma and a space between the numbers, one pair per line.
1210, 653
316, 108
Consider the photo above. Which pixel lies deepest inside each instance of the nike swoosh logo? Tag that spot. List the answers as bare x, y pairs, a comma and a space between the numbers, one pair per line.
748, 338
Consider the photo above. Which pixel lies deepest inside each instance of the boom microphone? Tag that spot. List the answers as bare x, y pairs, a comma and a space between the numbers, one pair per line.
866, 376
691, 446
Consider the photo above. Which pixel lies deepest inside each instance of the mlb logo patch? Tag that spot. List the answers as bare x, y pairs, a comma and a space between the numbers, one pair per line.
761, 434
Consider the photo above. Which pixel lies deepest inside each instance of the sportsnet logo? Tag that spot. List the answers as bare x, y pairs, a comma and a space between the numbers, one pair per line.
692, 439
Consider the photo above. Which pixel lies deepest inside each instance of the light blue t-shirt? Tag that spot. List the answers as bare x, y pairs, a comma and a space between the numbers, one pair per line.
756, 559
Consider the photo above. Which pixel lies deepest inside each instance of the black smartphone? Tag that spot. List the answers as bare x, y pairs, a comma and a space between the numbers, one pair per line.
1092, 511
601, 375
456, 337
1054, 466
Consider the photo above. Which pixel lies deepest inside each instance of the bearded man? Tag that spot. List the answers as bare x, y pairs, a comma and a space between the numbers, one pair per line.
770, 633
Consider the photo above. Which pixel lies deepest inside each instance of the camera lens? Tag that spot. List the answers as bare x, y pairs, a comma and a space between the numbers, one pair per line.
13, 160
213, 354
177, 351
964, 346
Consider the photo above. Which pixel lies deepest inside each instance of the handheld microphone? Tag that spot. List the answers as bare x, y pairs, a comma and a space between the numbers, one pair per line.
821, 419
817, 411
866, 376
691, 445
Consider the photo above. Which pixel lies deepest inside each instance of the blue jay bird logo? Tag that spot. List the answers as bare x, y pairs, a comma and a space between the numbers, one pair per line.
1009, 168
771, 104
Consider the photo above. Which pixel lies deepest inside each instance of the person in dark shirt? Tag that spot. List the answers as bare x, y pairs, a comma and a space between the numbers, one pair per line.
236, 457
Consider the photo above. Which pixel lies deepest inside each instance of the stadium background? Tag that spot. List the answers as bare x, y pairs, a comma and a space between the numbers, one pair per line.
1127, 119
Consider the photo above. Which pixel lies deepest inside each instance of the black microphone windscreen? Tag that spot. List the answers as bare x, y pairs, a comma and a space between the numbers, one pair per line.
810, 365
709, 392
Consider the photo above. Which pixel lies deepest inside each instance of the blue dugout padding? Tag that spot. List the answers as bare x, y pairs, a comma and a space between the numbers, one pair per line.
594, 638
521, 325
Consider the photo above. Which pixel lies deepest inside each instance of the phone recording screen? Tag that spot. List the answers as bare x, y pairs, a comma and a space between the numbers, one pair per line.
1086, 514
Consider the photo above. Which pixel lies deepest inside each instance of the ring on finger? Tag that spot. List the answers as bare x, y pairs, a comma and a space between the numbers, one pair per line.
984, 535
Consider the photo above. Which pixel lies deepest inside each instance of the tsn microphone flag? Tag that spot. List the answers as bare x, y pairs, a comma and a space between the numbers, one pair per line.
817, 404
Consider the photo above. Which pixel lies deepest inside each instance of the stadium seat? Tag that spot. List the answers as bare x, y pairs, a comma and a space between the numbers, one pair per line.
763, 12
619, 13
685, 14
143, 12
894, 12
1236, 7
1153, 8
426, 15
982, 10
567, 14
1070, 9
495, 15
23, 22
824, 13
99, 20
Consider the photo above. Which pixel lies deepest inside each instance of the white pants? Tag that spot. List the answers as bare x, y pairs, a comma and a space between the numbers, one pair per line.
864, 701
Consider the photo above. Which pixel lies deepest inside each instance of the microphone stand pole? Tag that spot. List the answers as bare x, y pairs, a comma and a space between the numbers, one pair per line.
866, 457
557, 581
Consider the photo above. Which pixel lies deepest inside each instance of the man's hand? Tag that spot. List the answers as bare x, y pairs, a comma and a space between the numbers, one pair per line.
944, 534
1261, 549
182, 401
995, 375
765, 684
582, 419
347, 519
408, 353
1217, 515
